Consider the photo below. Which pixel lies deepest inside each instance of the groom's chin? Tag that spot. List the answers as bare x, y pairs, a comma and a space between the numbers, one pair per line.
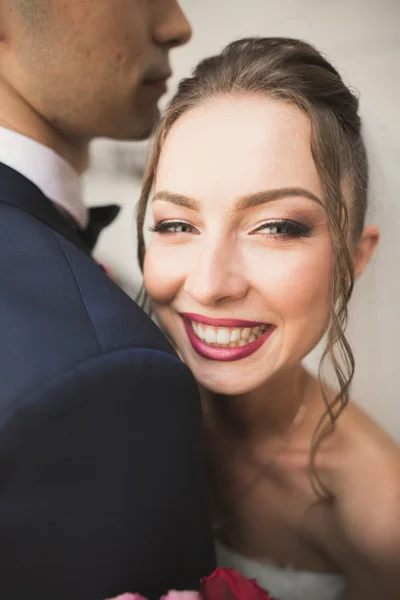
148, 130
142, 125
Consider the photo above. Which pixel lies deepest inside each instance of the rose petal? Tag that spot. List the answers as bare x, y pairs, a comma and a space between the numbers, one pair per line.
176, 595
227, 584
128, 597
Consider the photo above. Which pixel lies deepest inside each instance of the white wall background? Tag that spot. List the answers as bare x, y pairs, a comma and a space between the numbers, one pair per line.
362, 38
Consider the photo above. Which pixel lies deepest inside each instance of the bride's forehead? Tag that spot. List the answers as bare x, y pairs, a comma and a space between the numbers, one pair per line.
236, 124
238, 146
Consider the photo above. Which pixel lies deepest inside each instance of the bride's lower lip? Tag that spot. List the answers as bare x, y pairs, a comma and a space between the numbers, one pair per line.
225, 354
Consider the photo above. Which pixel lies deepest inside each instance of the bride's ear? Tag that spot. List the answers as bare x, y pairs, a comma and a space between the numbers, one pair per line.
365, 248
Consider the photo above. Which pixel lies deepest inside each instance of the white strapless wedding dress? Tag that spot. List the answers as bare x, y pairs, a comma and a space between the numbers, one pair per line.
284, 584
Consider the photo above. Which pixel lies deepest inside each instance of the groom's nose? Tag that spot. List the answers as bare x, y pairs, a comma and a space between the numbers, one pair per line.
171, 27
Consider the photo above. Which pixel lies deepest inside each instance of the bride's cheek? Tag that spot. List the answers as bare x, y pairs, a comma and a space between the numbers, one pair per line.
162, 278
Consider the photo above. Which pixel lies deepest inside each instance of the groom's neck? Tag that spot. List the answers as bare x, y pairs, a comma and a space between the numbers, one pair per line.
16, 114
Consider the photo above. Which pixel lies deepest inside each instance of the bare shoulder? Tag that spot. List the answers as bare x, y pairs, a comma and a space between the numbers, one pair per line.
361, 465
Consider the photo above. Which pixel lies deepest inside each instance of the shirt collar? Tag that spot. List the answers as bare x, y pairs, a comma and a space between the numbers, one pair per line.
53, 175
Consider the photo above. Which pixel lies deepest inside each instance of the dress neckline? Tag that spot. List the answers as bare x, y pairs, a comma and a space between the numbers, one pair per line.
224, 551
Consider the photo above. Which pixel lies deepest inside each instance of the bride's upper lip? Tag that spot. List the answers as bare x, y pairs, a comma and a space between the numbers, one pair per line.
220, 322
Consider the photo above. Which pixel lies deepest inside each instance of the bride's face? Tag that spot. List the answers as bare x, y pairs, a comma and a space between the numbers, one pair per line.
239, 268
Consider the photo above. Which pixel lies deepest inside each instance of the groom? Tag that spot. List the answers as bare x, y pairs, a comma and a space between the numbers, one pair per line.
101, 484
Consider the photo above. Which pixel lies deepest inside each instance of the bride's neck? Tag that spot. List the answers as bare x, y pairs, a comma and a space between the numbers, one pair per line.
265, 413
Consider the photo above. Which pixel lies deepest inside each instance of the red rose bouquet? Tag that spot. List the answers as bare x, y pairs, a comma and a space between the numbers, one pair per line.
223, 584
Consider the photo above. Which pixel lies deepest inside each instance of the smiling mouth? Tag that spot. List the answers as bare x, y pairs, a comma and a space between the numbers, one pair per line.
227, 337
226, 340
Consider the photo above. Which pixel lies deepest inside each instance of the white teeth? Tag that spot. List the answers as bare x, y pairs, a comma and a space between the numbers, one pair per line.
228, 337
246, 333
235, 335
223, 336
210, 336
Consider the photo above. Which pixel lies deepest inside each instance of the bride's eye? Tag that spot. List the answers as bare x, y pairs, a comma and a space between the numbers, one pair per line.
172, 227
284, 228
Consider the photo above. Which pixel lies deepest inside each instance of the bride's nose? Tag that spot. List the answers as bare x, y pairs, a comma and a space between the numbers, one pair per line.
218, 275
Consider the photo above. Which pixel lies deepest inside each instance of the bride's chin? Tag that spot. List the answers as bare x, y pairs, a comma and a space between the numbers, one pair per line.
221, 377
222, 385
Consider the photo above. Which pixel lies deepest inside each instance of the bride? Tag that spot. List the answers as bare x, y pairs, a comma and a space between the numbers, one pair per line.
259, 182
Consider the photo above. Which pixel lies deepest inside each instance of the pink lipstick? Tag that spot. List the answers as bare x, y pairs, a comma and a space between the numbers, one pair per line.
219, 322
224, 352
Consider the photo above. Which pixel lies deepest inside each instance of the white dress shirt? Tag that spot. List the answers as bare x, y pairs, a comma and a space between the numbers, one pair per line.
53, 175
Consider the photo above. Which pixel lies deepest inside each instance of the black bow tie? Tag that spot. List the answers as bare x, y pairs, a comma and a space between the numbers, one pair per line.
99, 218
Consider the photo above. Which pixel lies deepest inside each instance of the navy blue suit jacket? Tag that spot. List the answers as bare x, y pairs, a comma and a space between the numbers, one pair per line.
101, 475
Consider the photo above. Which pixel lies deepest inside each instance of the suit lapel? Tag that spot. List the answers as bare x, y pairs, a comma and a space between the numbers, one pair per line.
18, 191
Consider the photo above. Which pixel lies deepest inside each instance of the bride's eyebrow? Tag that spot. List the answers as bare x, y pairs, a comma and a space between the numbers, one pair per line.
244, 202
178, 200
252, 200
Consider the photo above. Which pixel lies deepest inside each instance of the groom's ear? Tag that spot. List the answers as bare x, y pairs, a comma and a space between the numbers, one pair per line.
365, 248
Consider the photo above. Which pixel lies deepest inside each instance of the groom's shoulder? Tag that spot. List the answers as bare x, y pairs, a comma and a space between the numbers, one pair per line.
115, 317
58, 308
